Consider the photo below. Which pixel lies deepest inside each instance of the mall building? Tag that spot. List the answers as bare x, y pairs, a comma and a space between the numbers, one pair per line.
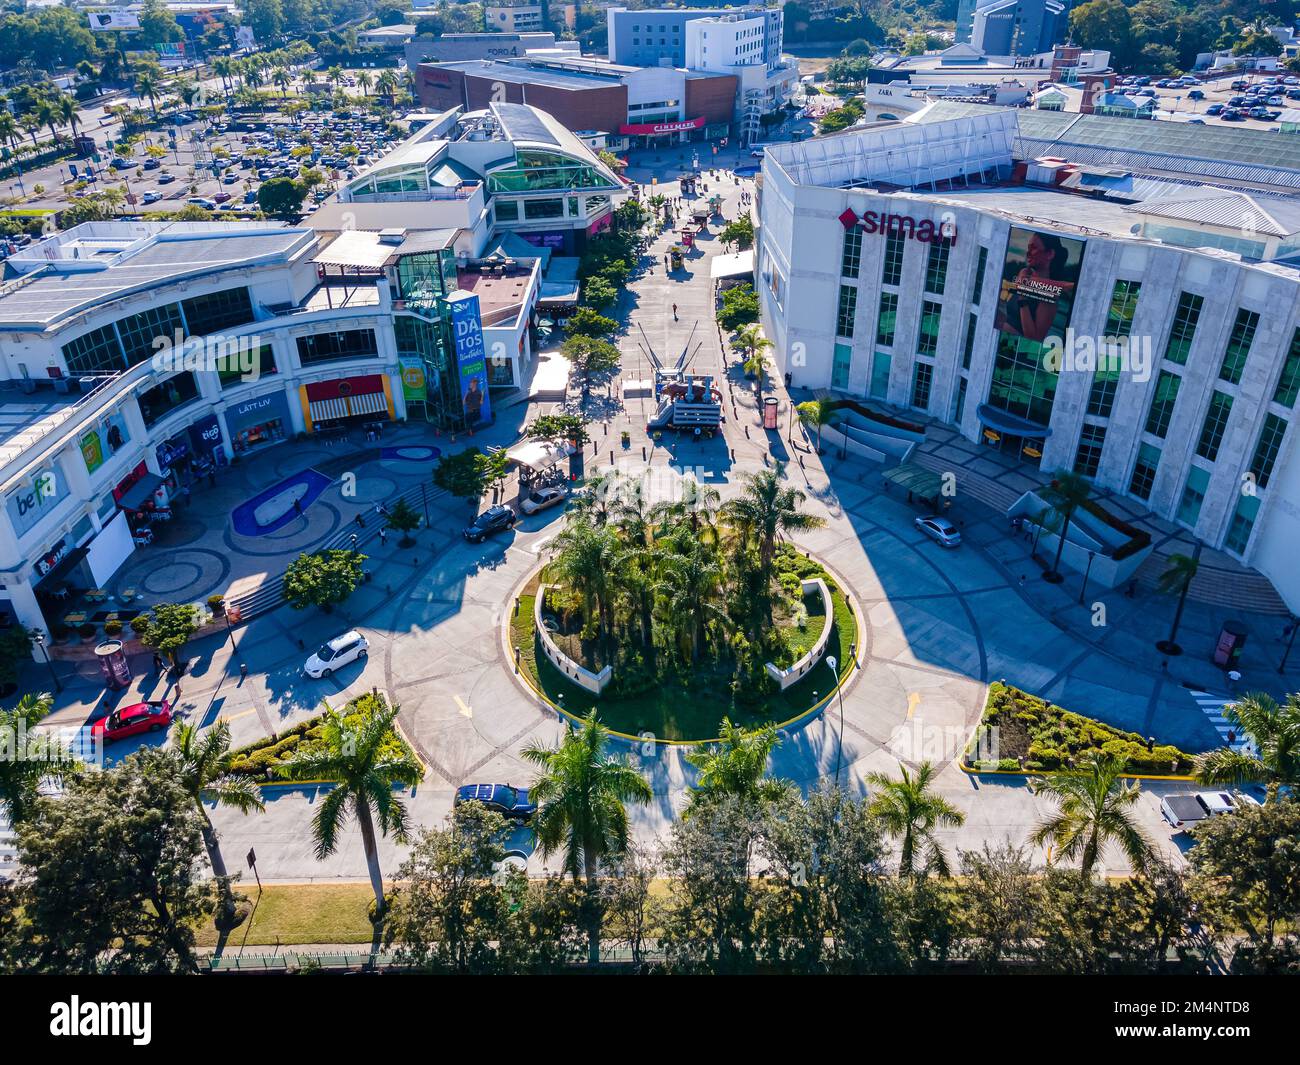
1066, 289
137, 358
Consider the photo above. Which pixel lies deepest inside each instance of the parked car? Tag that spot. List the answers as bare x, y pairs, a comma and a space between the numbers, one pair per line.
132, 721
166, 179
336, 653
492, 520
220, 197
1195, 94
1183, 811
503, 798
941, 530
202, 201
151, 164
542, 498
1214, 109
151, 196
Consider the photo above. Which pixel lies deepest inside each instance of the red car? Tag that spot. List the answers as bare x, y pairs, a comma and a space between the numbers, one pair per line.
132, 720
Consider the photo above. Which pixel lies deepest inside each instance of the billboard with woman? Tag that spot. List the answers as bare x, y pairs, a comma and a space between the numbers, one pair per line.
1039, 276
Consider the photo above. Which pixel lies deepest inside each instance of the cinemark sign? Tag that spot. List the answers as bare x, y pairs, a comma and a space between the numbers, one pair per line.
925, 230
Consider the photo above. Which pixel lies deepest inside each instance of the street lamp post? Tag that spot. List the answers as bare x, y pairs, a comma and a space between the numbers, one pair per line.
839, 692
1084, 588
39, 639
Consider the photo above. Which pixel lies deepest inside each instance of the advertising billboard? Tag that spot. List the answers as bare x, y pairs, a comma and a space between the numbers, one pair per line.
101, 21
37, 496
104, 440
1039, 277
471, 356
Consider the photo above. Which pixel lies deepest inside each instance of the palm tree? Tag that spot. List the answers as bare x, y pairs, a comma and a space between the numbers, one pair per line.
735, 765
1095, 808
67, 108
1176, 580
1067, 492
690, 591
386, 83
282, 79
357, 757
910, 811
765, 510
364, 82
9, 132
21, 775
584, 564
581, 797
818, 413
148, 86
205, 772
1275, 733
751, 341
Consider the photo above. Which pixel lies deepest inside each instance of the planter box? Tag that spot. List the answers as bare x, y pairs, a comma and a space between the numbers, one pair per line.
786, 677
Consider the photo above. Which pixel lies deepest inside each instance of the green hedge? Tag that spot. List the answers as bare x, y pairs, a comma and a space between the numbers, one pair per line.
1049, 738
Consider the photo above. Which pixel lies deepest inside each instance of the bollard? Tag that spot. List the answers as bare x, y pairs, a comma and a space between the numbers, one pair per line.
643, 454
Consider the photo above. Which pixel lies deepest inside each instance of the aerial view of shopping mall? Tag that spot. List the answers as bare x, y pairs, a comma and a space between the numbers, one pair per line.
530, 487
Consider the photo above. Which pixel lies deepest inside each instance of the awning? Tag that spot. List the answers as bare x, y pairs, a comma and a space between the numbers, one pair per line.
135, 497
922, 483
64, 566
1006, 422
324, 410
539, 455
741, 264
369, 403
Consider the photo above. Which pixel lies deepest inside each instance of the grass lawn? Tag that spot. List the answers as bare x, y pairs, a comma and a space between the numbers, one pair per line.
300, 913
678, 711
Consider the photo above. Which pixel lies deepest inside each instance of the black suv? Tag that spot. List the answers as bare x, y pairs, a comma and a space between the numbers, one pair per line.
492, 520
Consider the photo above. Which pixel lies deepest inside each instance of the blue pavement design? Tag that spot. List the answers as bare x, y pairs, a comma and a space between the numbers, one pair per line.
307, 485
411, 453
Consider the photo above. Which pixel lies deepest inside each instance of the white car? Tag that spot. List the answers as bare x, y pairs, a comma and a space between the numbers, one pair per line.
542, 498
152, 196
941, 530
1183, 811
337, 653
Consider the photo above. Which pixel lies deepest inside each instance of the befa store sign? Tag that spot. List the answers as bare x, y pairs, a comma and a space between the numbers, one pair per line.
926, 230
35, 498
471, 356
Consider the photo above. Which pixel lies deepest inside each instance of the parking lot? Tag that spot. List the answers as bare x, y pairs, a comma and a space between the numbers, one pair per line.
1255, 100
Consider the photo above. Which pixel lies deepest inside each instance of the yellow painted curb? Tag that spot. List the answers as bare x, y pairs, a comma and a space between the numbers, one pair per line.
971, 771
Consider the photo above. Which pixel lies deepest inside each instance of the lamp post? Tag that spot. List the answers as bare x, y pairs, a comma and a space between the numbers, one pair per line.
38, 638
1084, 587
839, 692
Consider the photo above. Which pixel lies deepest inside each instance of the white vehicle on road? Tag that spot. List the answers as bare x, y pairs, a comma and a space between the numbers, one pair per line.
1184, 811
337, 653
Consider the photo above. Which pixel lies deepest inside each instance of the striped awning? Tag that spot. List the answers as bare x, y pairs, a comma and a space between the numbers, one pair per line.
369, 403
324, 410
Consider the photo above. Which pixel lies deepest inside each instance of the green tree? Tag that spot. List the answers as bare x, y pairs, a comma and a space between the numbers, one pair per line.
740, 233
1274, 732
689, 590
403, 518
582, 795
599, 293
323, 578
28, 759
755, 347
739, 307
766, 509
206, 776
356, 752
584, 563
1067, 492
468, 474
111, 872
910, 811
1176, 579
1095, 808
590, 358
737, 766
818, 413
588, 322
557, 428
282, 197
168, 628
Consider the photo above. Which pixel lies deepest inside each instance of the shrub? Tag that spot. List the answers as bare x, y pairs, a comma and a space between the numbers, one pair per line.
113, 628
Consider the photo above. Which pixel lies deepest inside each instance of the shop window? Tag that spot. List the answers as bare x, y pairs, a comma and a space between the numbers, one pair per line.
217, 311
242, 367
328, 347
158, 402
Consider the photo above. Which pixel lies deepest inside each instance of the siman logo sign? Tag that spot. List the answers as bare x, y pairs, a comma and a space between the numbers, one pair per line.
926, 230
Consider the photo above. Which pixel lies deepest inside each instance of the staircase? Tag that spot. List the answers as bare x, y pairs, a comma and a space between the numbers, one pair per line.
1220, 585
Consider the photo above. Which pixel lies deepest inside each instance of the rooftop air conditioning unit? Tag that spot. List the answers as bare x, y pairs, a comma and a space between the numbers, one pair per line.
392, 236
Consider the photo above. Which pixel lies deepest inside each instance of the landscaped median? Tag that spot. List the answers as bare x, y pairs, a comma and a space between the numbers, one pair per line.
1021, 734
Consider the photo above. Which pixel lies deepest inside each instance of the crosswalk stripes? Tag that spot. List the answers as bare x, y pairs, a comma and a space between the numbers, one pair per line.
1213, 707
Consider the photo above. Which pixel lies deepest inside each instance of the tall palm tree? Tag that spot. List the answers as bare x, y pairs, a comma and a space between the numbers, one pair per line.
205, 772
67, 108
1176, 580
386, 83
1066, 494
695, 511
1275, 733
364, 82
282, 79
1095, 809
581, 797
584, 564
736, 766
21, 775
690, 591
755, 346
9, 132
911, 812
148, 86
818, 413
765, 510
357, 757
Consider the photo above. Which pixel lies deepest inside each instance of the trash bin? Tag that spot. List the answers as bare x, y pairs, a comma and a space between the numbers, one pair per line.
112, 664
1231, 642
769, 412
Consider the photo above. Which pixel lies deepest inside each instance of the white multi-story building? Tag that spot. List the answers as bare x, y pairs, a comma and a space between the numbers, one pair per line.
135, 354
1069, 290
513, 16
739, 44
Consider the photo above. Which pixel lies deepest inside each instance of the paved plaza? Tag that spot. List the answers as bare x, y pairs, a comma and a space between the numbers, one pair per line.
940, 625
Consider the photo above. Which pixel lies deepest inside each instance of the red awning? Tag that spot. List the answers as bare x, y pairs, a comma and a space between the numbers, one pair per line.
345, 386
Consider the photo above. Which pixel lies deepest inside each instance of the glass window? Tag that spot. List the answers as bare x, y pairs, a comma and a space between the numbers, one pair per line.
1189, 506
1088, 456
960, 407
1162, 403
217, 311
880, 375
981, 263
1105, 380
95, 352
507, 210
851, 260
1288, 383
1022, 383
1266, 450
246, 365
922, 376
346, 344
927, 339
887, 321
158, 402
1216, 421
893, 268
1144, 471
936, 268
535, 171
1183, 330
840, 366
968, 348
139, 332
1243, 521
847, 311
1234, 358
1123, 305
553, 208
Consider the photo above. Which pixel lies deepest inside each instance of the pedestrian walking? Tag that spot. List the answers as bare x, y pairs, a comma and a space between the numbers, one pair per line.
361, 522
353, 540
158, 664
383, 537
297, 506
674, 312
243, 671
